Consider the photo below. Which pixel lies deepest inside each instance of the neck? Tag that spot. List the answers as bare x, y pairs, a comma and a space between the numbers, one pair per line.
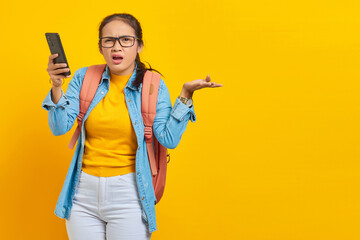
124, 72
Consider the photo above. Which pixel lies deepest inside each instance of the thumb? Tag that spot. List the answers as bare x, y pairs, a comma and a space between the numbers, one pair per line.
207, 79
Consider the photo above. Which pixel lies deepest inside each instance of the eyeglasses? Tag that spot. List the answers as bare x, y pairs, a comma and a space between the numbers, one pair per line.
125, 41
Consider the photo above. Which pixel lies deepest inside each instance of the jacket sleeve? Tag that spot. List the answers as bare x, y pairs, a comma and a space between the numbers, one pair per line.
61, 116
170, 122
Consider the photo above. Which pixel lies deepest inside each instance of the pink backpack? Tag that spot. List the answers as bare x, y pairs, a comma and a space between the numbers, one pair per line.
156, 152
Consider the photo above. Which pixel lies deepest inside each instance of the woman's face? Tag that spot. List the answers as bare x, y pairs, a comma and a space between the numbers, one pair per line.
117, 28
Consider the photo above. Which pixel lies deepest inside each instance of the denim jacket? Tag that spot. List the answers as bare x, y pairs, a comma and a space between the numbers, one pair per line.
169, 125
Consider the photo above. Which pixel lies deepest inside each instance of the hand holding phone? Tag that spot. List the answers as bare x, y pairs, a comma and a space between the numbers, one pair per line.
56, 70
58, 66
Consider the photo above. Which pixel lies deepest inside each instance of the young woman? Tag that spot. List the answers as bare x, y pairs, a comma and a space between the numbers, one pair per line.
108, 192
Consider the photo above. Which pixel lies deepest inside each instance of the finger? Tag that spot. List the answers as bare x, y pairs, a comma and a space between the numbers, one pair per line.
59, 71
210, 85
207, 79
213, 84
52, 66
216, 85
52, 57
206, 84
60, 65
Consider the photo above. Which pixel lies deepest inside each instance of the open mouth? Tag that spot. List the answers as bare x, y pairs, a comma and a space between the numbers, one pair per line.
117, 57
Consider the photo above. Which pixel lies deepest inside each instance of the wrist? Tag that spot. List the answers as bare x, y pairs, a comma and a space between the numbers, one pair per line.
186, 93
56, 88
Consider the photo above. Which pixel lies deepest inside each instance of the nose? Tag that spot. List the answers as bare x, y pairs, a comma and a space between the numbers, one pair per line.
117, 46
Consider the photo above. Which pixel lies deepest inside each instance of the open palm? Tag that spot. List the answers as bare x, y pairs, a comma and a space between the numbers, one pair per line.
199, 84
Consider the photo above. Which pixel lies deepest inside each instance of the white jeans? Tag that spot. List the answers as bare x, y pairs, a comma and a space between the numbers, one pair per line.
106, 208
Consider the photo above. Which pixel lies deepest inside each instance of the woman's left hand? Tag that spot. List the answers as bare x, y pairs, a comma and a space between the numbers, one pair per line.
190, 87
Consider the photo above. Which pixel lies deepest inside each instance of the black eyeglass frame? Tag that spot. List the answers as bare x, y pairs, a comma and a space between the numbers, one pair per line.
118, 39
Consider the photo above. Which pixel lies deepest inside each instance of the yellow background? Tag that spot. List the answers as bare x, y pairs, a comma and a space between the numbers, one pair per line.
274, 154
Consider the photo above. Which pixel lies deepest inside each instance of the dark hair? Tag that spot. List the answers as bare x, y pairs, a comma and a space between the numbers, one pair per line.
134, 23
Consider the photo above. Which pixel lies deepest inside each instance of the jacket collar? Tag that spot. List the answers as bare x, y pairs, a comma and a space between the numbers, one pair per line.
106, 76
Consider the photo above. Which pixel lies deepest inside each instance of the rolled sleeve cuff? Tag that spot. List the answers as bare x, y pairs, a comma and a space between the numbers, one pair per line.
180, 111
49, 104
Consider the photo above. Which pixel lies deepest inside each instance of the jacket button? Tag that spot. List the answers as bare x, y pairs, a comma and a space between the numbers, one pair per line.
143, 198
129, 100
137, 173
102, 93
135, 123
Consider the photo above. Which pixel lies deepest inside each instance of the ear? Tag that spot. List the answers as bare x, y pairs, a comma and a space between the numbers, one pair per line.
140, 48
100, 50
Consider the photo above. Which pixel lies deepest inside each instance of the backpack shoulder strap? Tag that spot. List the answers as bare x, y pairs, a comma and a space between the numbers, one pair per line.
89, 86
149, 94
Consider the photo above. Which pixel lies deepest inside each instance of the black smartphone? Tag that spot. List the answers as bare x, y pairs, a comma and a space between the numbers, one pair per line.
54, 42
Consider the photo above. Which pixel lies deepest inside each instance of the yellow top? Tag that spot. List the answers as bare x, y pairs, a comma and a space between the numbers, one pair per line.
110, 144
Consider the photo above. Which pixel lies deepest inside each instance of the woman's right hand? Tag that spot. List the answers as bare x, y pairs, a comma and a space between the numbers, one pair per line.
55, 71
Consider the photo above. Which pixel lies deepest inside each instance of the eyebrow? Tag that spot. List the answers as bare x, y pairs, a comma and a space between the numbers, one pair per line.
119, 36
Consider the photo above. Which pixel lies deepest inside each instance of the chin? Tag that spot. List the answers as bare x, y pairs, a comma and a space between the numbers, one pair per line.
118, 69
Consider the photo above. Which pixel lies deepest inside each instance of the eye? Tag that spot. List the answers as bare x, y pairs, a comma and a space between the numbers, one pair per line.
126, 39
108, 40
